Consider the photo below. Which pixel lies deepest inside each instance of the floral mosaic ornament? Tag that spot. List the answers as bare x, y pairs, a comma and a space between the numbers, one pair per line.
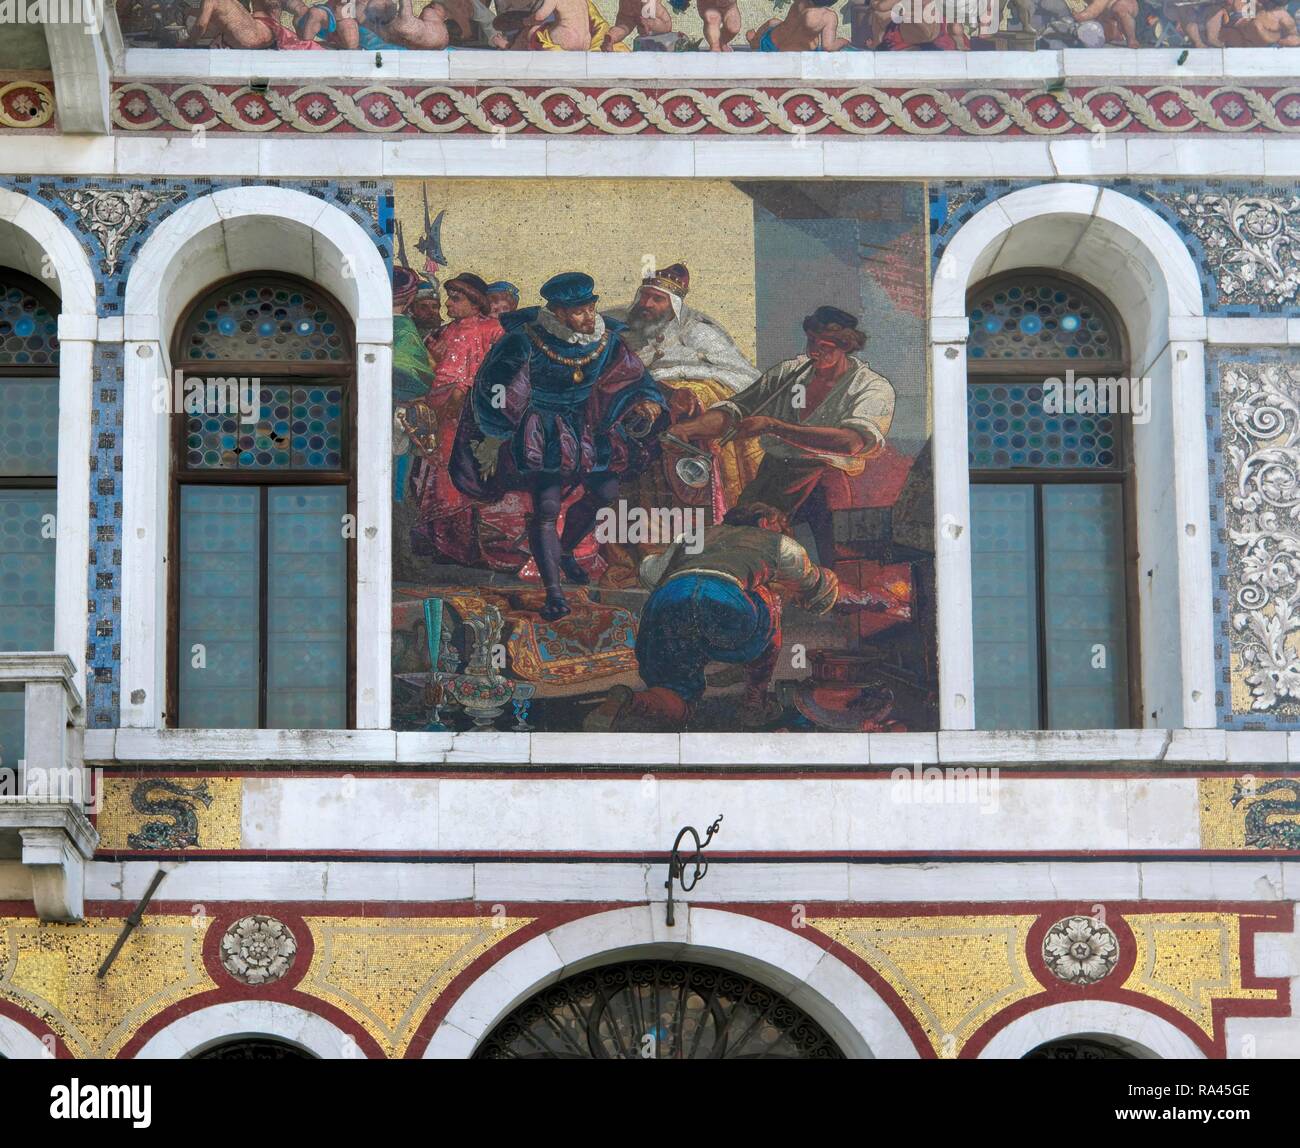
113, 215
258, 950
1261, 441
1080, 951
26, 104
1253, 243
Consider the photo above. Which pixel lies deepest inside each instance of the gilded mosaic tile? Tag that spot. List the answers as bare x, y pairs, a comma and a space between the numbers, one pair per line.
1250, 812
1188, 961
170, 813
49, 970
387, 973
953, 973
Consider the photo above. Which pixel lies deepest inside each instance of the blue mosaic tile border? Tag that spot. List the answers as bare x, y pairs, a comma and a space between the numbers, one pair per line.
953, 203
1216, 358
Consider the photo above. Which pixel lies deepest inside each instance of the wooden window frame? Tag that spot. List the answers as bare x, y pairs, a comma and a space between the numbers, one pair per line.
269, 372
991, 372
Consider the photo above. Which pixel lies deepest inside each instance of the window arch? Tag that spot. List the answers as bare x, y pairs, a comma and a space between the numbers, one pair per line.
262, 505
29, 453
253, 1048
662, 1010
1080, 1048
1049, 409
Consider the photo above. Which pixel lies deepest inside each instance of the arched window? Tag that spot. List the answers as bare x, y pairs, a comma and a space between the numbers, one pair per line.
1048, 416
262, 507
658, 1010
29, 453
253, 1048
1078, 1048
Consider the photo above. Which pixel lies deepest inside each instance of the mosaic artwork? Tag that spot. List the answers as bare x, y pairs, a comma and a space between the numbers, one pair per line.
677, 481
1256, 427
704, 25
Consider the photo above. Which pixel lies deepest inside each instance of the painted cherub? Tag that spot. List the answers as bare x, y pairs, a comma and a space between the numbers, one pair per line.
332, 23
721, 23
231, 24
397, 24
1253, 24
809, 26
644, 17
1118, 19
568, 23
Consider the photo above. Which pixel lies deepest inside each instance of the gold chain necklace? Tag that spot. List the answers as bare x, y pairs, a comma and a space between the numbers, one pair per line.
576, 363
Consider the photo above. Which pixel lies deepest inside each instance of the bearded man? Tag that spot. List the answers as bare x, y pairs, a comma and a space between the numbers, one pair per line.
691, 356
560, 402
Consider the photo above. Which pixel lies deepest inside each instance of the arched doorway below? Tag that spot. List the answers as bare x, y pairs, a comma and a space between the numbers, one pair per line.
253, 1048
1089, 1047
658, 1010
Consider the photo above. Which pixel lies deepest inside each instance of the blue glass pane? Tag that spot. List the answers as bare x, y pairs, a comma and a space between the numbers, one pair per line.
1037, 317
307, 608
11, 726
1005, 606
29, 332
29, 427
219, 606
1013, 425
27, 569
1085, 599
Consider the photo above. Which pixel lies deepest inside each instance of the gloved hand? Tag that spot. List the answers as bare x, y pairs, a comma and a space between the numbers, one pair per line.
485, 454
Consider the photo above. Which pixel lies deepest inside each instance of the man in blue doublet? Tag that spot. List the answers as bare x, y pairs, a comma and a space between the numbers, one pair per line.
560, 402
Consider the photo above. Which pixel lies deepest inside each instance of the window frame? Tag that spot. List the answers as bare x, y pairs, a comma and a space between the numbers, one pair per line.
269, 371
50, 301
991, 372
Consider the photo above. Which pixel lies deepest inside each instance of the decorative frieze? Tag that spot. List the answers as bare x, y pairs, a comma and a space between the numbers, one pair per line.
624, 110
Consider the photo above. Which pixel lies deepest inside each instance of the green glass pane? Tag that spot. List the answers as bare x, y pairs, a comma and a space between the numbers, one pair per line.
27, 569
29, 332
1085, 606
1015, 425
1037, 317
307, 608
219, 606
1005, 624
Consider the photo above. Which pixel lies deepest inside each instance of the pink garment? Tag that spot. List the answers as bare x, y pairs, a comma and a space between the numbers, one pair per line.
460, 348
286, 40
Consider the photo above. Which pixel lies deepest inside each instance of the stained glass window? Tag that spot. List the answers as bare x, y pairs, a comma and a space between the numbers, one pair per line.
256, 321
293, 426
29, 454
1048, 467
1039, 317
29, 327
1027, 424
262, 578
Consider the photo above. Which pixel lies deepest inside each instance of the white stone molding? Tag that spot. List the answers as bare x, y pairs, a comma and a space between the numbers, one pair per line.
216, 1024
1133, 1030
80, 60
20, 1043
1136, 260
231, 232
835, 996
35, 241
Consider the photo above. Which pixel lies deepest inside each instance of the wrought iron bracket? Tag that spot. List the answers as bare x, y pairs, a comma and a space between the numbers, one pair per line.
677, 863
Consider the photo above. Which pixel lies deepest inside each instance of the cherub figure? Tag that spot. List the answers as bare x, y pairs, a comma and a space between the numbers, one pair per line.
721, 23
1252, 24
644, 17
809, 26
1118, 19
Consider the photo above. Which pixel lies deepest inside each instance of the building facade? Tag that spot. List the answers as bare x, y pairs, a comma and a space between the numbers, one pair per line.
510, 552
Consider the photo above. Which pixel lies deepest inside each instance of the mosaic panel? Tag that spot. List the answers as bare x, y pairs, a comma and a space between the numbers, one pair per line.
169, 813
618, 473
1255, 476
677, 26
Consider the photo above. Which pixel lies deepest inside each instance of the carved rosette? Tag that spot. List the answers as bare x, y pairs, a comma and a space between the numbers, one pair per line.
258, 950
1080, 950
